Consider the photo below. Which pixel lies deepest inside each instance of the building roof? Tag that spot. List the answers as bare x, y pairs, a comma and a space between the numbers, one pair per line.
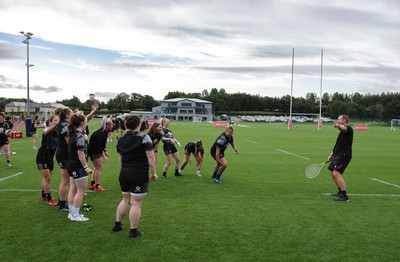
196, 100
16, 104
34, 104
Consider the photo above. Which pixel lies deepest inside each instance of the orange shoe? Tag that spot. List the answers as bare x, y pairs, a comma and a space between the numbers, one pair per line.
92, 187
51, 202
99, 188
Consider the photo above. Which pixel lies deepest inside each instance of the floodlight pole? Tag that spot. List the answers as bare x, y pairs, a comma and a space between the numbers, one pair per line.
320, 93
28, 36
291, 95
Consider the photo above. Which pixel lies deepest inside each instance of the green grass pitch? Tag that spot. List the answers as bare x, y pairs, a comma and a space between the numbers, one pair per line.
265, 210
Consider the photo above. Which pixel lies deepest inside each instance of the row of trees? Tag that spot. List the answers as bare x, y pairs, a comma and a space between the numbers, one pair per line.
379, 107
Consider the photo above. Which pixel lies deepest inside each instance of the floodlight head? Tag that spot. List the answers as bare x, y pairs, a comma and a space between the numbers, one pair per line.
29, 33
22, 32
25, 42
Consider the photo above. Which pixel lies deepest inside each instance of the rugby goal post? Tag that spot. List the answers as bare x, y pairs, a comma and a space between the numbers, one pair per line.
395, 124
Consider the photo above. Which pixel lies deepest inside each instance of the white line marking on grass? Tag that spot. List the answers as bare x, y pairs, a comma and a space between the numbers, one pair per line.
384, 182
250, 141
286, 152
368, 195
20, 190
30, 190
8, 177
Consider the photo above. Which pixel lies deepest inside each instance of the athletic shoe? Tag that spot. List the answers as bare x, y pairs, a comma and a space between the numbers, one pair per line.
214, 176
79, 218
198, 173
9, 164
137, 234
164, 177
12, 153
342, 198
117, 228
336, 194
218, 181
69, 216
34, 147
99, 188
92, 187
178, 174
64, 208
51, 202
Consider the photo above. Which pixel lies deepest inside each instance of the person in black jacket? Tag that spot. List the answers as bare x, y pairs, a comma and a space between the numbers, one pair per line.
5, 132
196, 148
65, 114
35, 124
44, 158
97, 151
77, 166
341, 156
218, 152
169, 148
136, 155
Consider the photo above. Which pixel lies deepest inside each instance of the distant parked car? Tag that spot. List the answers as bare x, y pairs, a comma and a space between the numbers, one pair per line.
225, 117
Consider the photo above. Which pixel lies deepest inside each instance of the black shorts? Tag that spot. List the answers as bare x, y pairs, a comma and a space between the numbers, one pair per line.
212, 152
169, 149
94, 156
339, 163
62, 159
134, 181
77, 173
3, 142
45, 165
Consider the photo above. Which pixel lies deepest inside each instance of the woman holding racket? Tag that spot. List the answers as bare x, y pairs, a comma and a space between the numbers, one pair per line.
341, 156
217, 152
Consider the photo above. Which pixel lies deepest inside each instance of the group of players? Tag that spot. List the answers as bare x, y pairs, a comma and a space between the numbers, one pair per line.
67, 137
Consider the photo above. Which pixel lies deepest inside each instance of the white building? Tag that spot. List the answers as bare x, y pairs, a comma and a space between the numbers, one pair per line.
181, 109
16, 108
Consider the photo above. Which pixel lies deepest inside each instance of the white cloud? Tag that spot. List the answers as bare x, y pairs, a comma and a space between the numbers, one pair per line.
153, 47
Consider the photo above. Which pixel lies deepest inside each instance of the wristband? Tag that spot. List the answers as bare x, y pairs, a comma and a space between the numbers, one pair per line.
85, 167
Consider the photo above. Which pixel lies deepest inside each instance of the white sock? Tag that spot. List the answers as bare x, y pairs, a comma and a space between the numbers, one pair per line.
76, 211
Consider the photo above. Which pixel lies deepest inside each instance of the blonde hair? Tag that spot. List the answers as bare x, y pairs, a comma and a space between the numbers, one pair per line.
104, 123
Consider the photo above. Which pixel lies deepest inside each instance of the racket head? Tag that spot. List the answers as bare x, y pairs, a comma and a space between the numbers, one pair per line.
313, 170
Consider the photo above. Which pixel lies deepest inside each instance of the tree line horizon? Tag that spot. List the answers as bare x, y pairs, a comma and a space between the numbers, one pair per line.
374, 107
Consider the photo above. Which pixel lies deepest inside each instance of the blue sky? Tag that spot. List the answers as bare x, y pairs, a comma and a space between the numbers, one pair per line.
153, 47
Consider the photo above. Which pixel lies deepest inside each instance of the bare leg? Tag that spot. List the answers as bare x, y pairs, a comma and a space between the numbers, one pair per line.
123, 207
135, 211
